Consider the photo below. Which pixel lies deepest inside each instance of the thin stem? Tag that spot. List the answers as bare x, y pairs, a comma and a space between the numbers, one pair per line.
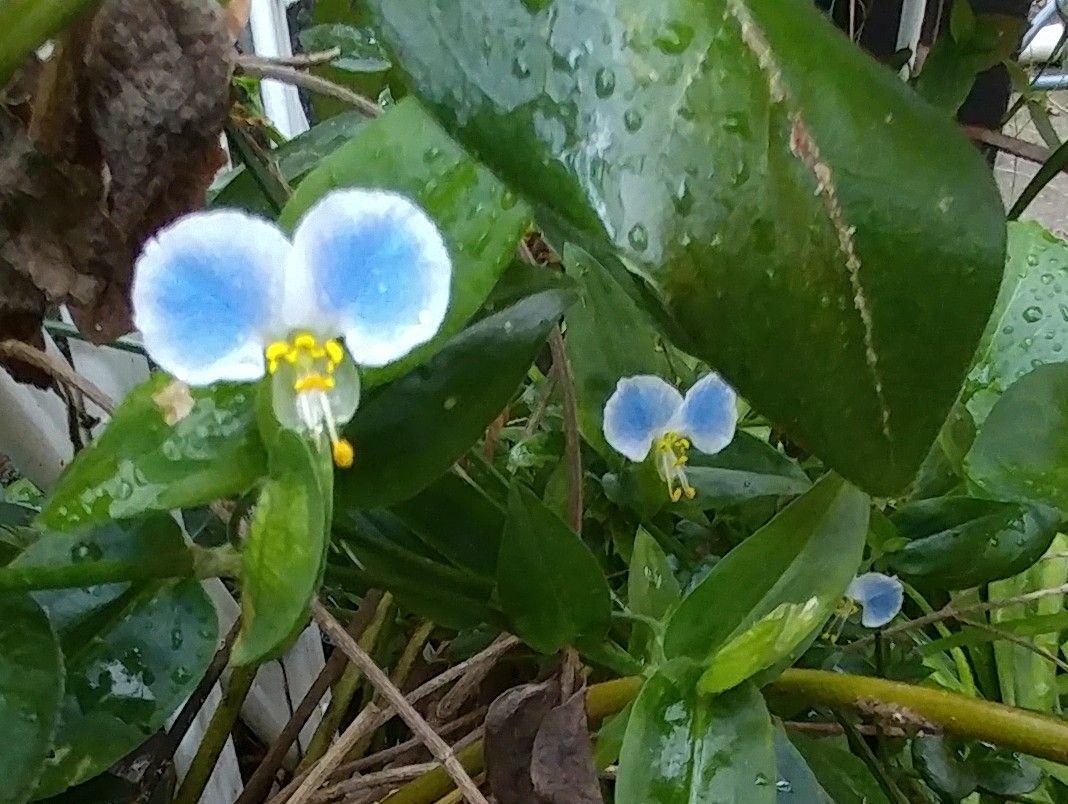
951, 612
255, 66
1016, 640
877, 768
372, 717
259, 784
346, 687
216, 735
59, 370
438, 747
153, 772
91, 573
304, 59
572, 441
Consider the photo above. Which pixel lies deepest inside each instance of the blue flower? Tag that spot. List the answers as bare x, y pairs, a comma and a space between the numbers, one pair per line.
879, 597
227, 296
645, 414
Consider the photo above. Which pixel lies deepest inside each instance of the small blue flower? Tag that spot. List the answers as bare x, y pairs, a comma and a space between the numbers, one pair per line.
227, 296
646, 414
879, 597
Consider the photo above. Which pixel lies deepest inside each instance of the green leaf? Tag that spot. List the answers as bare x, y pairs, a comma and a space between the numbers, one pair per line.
747, 468
457, 520
681, 747
1029, 326
129, 667
149, 547
960, 542
1021, 452
608, 337
140, 463
843, 775
771, 639
652, 591
31, 690
411, 432
978, 43
361, 52
285, 552
404, 150
796, 782
551, 588
944, 766
27, 24
387, 555
714, 148
293, 158
810, 550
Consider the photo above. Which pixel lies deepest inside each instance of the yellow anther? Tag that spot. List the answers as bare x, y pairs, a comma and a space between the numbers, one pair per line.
676, 495
683, 443
691, 492
334, 352
682, 460
344, 454
314, 382
304, 341
277, 350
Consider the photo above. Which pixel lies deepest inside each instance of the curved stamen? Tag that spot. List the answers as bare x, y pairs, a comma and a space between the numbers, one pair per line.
671, 458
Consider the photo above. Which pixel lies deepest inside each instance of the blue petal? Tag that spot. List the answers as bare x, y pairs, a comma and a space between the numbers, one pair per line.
880, 597
206, 292
709, 414
377, 270
639, 410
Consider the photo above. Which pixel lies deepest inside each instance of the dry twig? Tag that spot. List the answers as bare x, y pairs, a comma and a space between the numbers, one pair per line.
59, 369
261, 68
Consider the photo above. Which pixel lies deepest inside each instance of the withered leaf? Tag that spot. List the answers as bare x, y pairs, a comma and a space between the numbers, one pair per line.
561, 765
512, 724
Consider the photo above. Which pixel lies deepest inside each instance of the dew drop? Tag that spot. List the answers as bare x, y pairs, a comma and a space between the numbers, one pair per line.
675, 38
604, 83
760, 780
1032, 259
177, 638
181, 675
1008, 330
1032, 314
638, 237
86, 551
1046, 279
520, 69
632, 119
784, 786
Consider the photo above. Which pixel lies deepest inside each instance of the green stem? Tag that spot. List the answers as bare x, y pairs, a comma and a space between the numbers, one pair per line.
216, 735
959, 715
28, 23
344, 689
198, 562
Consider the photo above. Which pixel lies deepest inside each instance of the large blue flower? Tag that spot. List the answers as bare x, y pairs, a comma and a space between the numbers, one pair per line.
646, 414
227, 296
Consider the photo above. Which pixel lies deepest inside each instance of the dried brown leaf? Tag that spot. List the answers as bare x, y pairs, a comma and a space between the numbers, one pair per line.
561, 766
512, 724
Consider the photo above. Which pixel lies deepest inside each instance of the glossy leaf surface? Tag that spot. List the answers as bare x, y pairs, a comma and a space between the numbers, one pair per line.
716, 150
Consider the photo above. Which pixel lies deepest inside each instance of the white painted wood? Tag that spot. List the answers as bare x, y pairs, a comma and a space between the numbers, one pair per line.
270, 37
910, 27
224, 785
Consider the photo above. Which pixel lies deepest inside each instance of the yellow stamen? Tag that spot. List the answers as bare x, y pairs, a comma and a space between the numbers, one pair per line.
304, 341
344, 454
314, 382
334, 352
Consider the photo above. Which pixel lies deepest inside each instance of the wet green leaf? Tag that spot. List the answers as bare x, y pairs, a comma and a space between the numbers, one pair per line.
608, 337
141, 463
747, 468
410, 433
130, 665
404, 150
1021, 452
361, 52
944, 766
31, 677
960, 542
293, 158
796, 783
652, 591
284, 554
551, 588
810, 550
1029, 326
682, 747
844, 776
715, 149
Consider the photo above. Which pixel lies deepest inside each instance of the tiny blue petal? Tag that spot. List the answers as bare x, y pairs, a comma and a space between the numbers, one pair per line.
709, 414
371, 265
206, 293
641, 409
880, 596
